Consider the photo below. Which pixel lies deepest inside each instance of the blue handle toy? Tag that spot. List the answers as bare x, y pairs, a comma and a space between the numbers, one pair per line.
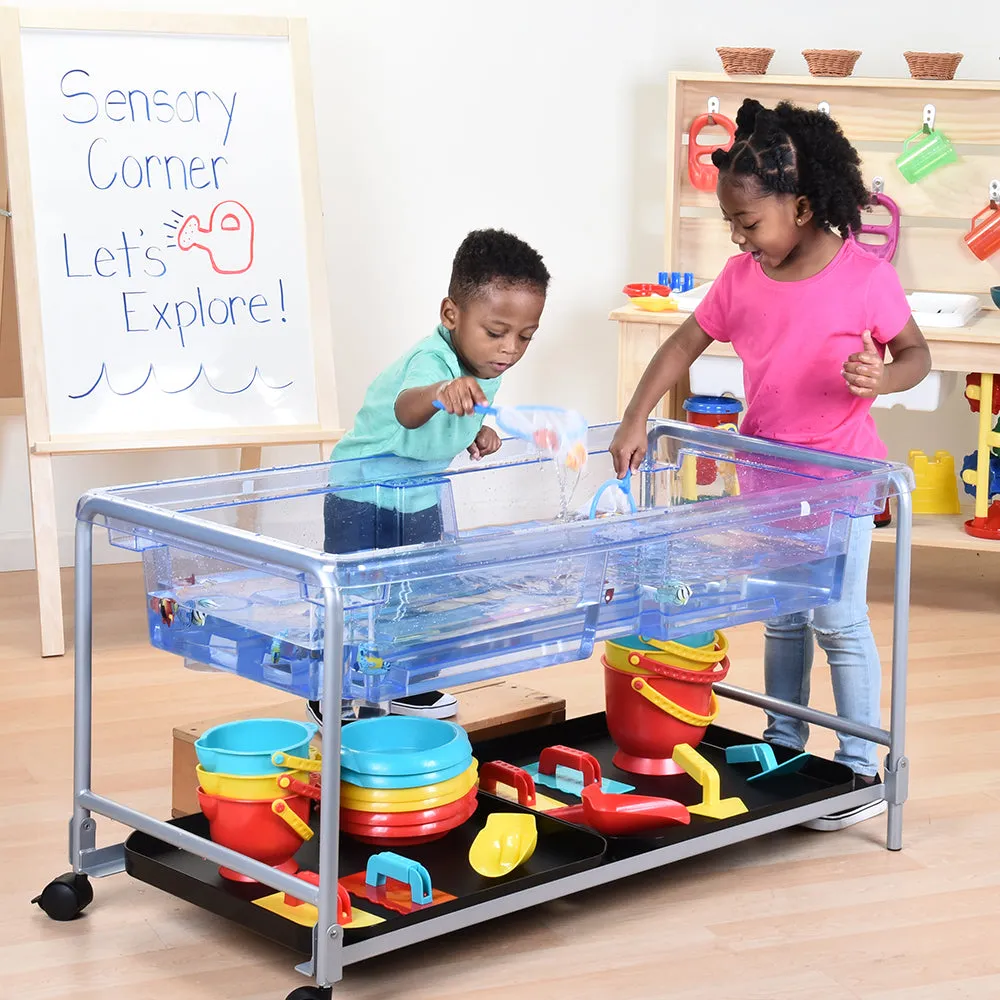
412, 873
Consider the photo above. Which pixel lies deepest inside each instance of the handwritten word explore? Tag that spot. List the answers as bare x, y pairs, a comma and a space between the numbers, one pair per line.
137, 105
201, 312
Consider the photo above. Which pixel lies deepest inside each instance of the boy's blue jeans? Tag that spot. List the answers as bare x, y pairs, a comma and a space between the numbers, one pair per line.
844, 632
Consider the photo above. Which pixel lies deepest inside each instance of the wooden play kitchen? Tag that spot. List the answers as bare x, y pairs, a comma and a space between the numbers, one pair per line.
928, 150
400, 830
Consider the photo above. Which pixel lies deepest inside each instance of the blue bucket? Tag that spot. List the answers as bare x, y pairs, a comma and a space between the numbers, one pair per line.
245, 746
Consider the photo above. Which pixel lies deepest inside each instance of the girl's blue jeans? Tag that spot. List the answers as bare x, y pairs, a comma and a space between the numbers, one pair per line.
844, 632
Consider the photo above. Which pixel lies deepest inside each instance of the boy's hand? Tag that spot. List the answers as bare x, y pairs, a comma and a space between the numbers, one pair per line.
864, 370
628, 446
486, 443
460, 396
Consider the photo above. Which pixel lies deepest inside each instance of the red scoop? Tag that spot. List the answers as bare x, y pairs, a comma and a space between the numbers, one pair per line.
618, 815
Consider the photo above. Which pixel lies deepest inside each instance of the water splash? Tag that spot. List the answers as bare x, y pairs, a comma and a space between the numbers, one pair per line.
568, 480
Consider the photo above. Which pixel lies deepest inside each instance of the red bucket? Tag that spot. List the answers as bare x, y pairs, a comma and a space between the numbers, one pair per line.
254, 829
649, 714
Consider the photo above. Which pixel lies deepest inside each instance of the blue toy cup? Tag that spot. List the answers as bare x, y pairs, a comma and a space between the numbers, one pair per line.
245, 746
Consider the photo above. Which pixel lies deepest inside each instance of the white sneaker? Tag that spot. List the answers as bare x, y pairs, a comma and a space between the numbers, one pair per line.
855, 814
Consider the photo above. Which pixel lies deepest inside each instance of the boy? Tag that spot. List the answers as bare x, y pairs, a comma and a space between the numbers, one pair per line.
493, 307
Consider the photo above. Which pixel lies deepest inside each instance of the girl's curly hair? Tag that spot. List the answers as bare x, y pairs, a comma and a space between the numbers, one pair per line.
792, 150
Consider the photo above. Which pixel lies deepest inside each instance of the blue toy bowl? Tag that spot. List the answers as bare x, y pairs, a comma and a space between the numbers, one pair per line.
400, 744
695, 641
405, 780
995, 295
245, 747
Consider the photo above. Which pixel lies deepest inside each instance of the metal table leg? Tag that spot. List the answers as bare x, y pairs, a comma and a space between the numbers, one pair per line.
896, 765
328, 940
82, 827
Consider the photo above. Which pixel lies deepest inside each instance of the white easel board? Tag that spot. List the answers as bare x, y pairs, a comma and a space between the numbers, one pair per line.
167, 235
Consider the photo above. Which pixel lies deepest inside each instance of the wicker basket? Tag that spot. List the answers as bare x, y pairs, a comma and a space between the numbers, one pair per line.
831, 62
933, 65
745, 62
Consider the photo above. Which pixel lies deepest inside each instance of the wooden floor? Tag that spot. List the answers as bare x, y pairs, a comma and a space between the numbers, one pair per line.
799, 915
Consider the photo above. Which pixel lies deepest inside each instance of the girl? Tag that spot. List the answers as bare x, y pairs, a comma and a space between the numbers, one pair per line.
809, 312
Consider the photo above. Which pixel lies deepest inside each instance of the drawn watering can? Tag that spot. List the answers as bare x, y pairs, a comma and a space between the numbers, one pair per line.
925, 151
701, 171
890, 232
983, 238
228, 240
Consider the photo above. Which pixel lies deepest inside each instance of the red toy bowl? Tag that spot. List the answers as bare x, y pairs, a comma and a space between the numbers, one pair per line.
641, 290
648, 715
408, 834
250, 827
440, 813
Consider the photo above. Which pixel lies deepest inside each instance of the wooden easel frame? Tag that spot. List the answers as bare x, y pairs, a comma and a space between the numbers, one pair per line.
18, 260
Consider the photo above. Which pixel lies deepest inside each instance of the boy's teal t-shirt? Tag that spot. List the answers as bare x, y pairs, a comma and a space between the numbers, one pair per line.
376, 430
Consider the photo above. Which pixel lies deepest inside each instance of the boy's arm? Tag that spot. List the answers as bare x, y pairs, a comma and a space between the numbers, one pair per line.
459, 396
674, 357
414, 407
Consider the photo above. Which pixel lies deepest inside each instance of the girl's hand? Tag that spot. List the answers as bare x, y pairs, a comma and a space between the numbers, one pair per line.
461, 395
628, 446
487, 442
864, 371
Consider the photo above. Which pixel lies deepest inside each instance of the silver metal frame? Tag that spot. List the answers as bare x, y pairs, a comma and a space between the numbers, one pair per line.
329, 952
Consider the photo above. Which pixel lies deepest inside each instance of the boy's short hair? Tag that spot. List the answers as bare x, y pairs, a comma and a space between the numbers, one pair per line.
489, 256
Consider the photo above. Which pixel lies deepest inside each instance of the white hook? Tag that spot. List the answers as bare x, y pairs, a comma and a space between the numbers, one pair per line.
995, 191
878, 185
930, 113
714, 106
824, 107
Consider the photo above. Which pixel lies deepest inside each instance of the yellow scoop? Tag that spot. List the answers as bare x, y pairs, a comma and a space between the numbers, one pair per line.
507, 840
708, 777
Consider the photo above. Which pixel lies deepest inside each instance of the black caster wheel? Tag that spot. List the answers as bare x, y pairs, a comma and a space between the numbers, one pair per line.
310, 993
66, 897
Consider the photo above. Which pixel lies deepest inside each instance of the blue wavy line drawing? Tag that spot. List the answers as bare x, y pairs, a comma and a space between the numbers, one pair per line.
103, 376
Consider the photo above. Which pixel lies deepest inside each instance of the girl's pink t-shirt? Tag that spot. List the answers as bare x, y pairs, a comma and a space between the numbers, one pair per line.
793, 338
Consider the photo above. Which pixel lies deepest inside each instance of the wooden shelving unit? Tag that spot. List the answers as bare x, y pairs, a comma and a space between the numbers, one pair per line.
877, 115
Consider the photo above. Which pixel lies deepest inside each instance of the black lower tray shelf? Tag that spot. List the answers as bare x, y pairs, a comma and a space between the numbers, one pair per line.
563, 849
819, 779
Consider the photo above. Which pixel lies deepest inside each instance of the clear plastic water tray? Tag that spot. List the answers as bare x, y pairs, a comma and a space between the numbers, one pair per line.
727, 529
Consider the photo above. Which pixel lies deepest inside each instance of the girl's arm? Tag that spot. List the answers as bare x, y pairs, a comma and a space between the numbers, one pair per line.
868, 376
674, 357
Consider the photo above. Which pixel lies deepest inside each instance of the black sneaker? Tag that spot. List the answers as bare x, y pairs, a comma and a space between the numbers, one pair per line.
314, 712
855, 814
430, 705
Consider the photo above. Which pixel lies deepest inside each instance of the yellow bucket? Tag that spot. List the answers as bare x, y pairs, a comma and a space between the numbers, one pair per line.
245, 787
674, 654
409, 799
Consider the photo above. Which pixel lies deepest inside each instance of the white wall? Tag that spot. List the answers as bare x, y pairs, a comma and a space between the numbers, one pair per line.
546, 117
